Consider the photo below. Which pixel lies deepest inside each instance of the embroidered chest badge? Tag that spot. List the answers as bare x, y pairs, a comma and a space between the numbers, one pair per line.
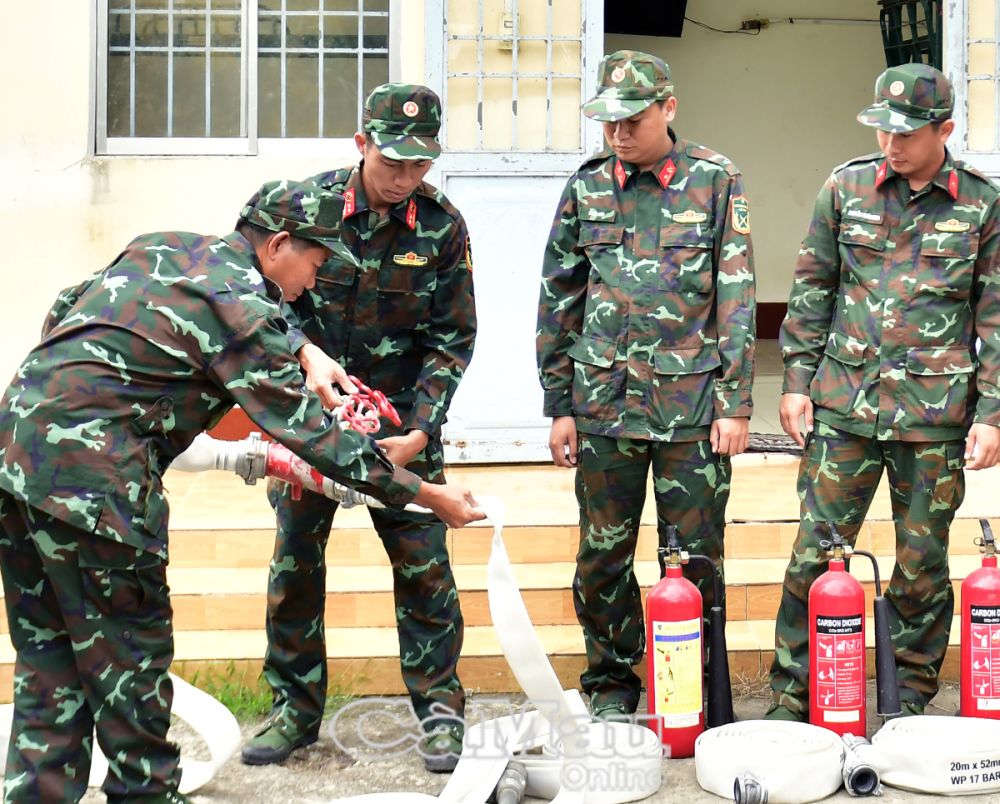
690, 216
741, 214
952, 225
410, 259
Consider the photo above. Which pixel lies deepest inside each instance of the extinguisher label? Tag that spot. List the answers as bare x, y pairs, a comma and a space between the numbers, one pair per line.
986, 657
676, 654
840, 681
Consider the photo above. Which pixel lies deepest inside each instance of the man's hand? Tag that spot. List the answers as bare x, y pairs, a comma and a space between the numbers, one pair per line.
322, 373
793, 409
982, 447
453, 505
730, 436
563, 441
403, 449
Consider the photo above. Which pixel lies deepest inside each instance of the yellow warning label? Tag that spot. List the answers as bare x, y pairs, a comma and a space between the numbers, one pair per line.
676, 657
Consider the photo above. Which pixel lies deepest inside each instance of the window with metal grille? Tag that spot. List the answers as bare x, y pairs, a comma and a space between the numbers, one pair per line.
513, 73
972, 61
214, 76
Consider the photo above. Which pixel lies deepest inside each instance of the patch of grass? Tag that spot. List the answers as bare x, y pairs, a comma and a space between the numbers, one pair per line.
249, 697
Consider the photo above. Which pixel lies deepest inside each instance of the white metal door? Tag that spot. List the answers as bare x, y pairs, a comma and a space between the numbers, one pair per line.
512, 75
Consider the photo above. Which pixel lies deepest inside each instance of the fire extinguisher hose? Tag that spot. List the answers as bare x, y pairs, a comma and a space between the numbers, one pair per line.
779, 762
949, 756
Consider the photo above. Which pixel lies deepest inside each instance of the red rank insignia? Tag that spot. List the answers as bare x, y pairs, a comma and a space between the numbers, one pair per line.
880, 173
953, 185
349, 203
667, 173
620, 173
411, 214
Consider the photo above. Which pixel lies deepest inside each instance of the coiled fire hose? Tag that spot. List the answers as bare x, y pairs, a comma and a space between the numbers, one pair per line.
772, 761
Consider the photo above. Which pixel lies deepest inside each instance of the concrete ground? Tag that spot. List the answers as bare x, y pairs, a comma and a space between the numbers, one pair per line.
324, 772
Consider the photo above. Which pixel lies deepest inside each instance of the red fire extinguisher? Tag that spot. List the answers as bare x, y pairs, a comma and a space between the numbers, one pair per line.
980, 682
837, 694
674, 660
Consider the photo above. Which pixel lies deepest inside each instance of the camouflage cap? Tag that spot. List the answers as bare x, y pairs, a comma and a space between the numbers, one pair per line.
909, 97
628, 82
301, 208
403, 121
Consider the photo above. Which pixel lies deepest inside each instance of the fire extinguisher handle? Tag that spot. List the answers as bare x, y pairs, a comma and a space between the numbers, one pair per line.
987, 541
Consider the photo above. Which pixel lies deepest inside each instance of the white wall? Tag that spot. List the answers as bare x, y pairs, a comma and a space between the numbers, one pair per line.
781, 105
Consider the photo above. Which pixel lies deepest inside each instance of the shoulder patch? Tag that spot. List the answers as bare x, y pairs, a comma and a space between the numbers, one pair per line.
468, 253
741, 214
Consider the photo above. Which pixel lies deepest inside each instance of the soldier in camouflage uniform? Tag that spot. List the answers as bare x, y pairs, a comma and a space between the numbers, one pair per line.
402, 319
645, 352
896, 279
133, 364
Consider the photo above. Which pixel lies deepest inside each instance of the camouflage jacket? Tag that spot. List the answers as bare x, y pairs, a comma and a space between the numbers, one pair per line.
405, 321
891, 291
139, 359
646, 312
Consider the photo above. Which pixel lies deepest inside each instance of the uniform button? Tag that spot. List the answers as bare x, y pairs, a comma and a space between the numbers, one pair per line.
127, 634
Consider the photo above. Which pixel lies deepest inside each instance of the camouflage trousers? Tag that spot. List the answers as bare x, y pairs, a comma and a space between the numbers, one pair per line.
92, 627
838, 477
428, 617
691, 488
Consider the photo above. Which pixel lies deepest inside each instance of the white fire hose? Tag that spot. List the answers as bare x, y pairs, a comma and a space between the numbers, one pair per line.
779, 762
581, 762
774, 761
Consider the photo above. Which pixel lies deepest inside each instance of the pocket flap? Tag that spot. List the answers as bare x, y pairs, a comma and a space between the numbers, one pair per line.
592, 233
337, 271
674, 235
593, 351
404, 279
948, 245
931, 361
845, 350
696, 360
857, 233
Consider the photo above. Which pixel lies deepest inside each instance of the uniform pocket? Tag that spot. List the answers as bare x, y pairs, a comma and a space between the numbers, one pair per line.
597, 381
686, 258
840, 376
337, 272
118, 578
947, 262
936, 389
404, 296
602, 245
861, 247
684, 385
